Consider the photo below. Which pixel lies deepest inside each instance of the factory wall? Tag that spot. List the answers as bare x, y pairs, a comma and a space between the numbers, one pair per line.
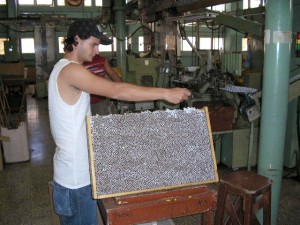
30, 12
187, 58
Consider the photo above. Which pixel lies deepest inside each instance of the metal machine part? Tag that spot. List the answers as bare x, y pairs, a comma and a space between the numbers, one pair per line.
209, 82
250, 106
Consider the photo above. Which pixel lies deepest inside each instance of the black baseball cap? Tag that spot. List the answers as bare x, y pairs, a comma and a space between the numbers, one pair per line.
85, 28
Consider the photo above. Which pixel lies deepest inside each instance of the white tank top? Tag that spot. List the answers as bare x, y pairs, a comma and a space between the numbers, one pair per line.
68, 128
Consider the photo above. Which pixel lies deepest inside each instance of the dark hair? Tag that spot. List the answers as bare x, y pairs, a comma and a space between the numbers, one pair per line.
68, 44
69, 41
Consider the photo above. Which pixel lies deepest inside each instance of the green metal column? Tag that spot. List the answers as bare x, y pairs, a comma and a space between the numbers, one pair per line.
119, 9
14, 42
277, 57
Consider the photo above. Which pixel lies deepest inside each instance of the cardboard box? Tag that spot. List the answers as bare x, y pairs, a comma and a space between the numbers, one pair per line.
17, 149
12, 68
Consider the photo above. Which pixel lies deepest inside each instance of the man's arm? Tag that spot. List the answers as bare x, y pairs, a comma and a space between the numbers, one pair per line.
111, 73
75, 76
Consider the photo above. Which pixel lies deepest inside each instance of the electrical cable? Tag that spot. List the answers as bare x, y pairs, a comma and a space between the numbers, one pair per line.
14, 30
211, 28
119, 39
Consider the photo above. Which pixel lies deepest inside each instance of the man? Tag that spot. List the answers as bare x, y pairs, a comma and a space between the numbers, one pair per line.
100, 67
70, 85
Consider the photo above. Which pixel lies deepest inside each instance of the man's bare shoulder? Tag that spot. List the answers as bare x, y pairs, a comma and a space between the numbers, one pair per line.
73, 70
78, 77
68, 82
73, 66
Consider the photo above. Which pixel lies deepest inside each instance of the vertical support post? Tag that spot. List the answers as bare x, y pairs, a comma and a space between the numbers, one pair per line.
14, 40
278, 37
12, 11
250, 150
119, 9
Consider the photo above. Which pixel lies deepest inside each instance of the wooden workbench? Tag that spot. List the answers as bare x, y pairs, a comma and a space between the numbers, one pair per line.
159, 205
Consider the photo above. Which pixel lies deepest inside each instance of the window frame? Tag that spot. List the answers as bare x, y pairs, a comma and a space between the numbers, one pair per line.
24, 50
2, 49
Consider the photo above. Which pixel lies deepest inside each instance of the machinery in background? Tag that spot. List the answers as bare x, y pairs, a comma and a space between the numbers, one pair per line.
44, 57
234, 116
44, 41
206, 86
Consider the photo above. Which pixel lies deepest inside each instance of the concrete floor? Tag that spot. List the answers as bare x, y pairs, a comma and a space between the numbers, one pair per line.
24, 186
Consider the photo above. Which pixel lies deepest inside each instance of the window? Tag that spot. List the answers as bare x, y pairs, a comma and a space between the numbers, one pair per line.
26, 2
104, 48
112, 47
108, 48
61, 2
220, 8
2, 2
253, 4
44, 2
205, 43
2, 45
244, 44
185, 45
218, 43
87, 2
40, 2
98, 2
60, 45
141, 44
27, 45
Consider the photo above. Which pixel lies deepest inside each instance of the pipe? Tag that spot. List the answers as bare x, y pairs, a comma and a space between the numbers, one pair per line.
250, 150
119, 10
278, 37
12, 8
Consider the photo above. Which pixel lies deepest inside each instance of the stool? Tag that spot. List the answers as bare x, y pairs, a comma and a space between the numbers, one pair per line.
250, 191
159, 205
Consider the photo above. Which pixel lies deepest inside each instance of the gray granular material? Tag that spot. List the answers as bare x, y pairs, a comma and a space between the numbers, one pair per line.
148, 150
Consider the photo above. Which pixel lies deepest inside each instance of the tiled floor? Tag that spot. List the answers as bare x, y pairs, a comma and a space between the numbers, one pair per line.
24, 185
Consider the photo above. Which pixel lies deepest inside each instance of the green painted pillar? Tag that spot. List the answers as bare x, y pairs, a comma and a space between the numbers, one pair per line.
14, 43
12, 13
119, 10
278, 37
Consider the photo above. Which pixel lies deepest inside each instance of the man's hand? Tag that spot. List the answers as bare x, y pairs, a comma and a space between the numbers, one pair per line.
177, 95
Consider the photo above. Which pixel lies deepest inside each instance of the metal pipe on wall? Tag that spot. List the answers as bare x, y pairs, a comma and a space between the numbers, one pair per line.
119, 9
278, 27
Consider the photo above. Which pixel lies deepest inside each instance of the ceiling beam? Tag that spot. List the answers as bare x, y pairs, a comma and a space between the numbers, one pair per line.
189, 5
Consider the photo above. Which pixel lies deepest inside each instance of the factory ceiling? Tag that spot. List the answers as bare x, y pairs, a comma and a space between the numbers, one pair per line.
142, 10
154, 10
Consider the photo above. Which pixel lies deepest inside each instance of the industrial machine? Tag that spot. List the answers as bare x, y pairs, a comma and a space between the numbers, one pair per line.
234, 115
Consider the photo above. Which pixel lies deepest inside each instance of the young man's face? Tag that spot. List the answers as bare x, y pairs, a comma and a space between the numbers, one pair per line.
88, 48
